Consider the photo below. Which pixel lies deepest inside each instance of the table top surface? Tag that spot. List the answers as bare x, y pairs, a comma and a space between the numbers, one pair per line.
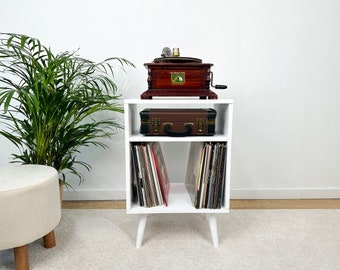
15, 176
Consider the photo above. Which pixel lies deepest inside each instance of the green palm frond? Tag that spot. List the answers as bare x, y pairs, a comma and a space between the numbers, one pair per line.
50, 102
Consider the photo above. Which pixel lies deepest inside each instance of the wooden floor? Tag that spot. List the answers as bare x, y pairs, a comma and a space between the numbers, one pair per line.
234, 204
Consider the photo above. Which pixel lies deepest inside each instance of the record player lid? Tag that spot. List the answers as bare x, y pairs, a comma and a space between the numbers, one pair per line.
176, 59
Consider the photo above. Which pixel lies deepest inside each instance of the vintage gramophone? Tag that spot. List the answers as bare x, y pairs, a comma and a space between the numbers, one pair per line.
172, 75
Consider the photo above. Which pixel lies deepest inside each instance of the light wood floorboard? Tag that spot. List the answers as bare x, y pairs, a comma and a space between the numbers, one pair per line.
234, 204
286, 204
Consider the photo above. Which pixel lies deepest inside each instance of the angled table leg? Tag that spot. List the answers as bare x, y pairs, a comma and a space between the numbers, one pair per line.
140, 230
213, 228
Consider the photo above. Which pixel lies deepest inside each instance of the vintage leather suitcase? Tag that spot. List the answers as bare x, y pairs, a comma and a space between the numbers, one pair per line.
178, 122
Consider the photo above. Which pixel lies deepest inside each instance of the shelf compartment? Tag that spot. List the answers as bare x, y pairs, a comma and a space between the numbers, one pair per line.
179, 202
222, 107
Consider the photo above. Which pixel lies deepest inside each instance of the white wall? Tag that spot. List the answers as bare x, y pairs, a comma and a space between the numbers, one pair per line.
280, 60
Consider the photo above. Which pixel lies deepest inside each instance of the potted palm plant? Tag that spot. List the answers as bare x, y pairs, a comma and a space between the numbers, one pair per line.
50, 103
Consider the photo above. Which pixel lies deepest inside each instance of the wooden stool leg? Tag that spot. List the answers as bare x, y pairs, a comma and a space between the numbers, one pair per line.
21, 258
49, 240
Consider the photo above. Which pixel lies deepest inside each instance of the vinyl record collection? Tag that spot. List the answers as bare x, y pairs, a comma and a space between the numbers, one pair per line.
206, 174
150, 185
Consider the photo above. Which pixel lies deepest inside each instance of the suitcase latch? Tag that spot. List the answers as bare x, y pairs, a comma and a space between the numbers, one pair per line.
200, 124
155, 122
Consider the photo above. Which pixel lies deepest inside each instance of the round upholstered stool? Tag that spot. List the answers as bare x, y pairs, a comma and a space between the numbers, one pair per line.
29, 208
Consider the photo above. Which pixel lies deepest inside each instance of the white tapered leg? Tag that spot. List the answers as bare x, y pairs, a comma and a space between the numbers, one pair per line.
140, 231
213, 228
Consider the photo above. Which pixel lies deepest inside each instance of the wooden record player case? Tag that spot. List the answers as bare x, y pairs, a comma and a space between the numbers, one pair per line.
178, 76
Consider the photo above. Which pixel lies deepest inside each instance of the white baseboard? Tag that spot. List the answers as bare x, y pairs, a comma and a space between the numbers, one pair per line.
88, 195
235, 193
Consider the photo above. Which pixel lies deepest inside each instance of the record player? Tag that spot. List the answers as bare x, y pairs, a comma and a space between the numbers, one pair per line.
172, 75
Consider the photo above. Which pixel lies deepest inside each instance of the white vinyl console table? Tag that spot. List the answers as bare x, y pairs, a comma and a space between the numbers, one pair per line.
179, 199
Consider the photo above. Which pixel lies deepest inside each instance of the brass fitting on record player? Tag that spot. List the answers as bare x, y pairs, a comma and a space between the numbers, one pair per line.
175, 52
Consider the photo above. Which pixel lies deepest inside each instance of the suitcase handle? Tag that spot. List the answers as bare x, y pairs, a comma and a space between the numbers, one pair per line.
173, 133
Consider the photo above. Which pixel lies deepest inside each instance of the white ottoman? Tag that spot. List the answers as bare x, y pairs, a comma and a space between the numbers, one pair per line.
29, 208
